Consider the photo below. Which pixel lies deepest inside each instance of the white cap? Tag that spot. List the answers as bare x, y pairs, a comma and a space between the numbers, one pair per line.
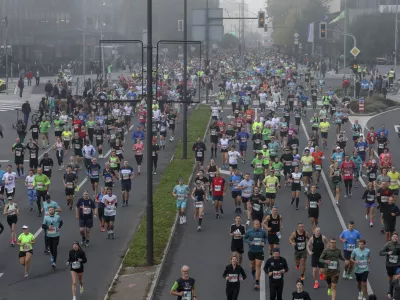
25, 227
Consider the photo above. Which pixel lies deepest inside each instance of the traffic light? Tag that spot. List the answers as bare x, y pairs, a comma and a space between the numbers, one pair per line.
322, 30
265, 27
261, 19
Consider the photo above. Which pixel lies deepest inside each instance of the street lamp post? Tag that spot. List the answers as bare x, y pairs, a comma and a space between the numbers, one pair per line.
396, 32
6, 49
84, 41
185, 63
149, 135
103, 3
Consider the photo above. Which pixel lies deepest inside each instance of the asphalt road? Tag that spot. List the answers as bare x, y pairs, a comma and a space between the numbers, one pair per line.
104, 256
207, 252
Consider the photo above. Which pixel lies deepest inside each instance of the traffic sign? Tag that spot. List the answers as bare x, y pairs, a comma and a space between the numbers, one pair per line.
296, 35
355, 51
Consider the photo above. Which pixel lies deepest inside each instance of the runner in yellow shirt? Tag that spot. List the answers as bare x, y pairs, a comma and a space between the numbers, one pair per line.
324, 128
394, 182
271, 183
307, 168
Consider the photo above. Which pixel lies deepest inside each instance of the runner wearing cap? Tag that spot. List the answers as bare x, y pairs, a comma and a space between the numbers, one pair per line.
307, 162
275, 267
25, 242
181, 192
11, 210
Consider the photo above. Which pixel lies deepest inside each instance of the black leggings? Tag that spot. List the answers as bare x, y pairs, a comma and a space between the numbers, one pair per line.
40, 194
275, 290
232, 292
53, 244
348, 183
155, 159
60, 157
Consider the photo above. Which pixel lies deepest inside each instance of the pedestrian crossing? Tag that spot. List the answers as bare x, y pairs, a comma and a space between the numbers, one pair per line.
8, 105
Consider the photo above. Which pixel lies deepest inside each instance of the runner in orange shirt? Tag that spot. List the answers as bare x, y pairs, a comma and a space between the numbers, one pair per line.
249, 115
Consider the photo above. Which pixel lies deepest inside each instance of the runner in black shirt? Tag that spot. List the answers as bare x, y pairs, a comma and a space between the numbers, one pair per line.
237, 232
33, 154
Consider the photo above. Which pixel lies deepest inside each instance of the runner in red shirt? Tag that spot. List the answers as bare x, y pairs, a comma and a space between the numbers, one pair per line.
219, 188
82, 132
142, 116
222, 127
371, 139
77, 124
347, 168
239, 123
318, 156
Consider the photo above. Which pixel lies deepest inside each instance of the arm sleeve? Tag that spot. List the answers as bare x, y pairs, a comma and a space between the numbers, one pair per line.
175, 286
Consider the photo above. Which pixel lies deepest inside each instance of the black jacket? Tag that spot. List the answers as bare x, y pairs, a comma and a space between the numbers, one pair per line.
79, 255
26, 108
274, 265
234, 275
48, 87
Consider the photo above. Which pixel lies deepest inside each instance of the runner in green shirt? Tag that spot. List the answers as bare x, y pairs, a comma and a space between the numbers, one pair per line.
277, 167
90, 125
44, 129
267, 133
41, 183
58, 127
258, 165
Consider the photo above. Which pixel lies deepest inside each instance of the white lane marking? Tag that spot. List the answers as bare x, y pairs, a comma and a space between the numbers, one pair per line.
255, 114
1, 274
263, 295
38, 232
397, 128
333, 201
4, 161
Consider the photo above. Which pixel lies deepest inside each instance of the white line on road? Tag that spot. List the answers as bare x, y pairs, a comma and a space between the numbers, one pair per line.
263, 295
335, 207
1, 274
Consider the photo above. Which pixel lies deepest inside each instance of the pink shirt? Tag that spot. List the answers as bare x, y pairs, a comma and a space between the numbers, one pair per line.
138, 148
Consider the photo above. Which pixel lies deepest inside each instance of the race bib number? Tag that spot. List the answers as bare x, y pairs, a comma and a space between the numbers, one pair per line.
30, 185
76, 265
333, 265
33, 155
77, 146
384, 199
199, 154
217, 188
301, 246
351, 247
70, 185
26, 247
246, 194
233, 278
318, 167
276, 275
51, 230
363, 264
381, 146
17, 152
181, 197
199, 204
99, 137
87, 210
257, 241
393, 259
372, 175
40, 185
46, 168
313, 204
187, 295
393, 182
256, 207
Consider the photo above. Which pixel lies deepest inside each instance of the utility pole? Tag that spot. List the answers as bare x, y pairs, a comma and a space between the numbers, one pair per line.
6, 50
101, 35
185, 63
84, 41
242, 36
396, 36
149, 135
207, 46
346, 20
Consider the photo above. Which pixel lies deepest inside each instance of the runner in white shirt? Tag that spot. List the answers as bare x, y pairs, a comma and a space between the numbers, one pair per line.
263, 100
9, 182
116, 112
31, 189
157, 114
88, 152
215, 111
233, 156
276, 96
110, 210
128, 114
224, 144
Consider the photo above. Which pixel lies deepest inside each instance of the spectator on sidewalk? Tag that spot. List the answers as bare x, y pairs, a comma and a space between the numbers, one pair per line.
21, 85
345, 85
26, 110
37, 77
358, 89
29, 76
48, 88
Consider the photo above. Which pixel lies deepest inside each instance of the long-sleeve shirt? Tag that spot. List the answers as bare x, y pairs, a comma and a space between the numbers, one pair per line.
234, 275
388, 210
276, 266
333, 256
138, 135
392, 260
255, 238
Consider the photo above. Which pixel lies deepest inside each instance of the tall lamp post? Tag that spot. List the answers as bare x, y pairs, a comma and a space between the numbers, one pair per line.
6, 48
185, 64
149, 135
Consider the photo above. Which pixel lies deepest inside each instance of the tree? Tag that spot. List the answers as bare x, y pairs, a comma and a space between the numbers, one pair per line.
374, 34
229, 41
289, 18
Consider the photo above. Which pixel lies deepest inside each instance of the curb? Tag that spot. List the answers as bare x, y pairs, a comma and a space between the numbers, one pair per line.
157, 275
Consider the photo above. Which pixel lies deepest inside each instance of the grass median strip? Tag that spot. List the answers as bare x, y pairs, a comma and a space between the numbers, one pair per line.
164, 204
